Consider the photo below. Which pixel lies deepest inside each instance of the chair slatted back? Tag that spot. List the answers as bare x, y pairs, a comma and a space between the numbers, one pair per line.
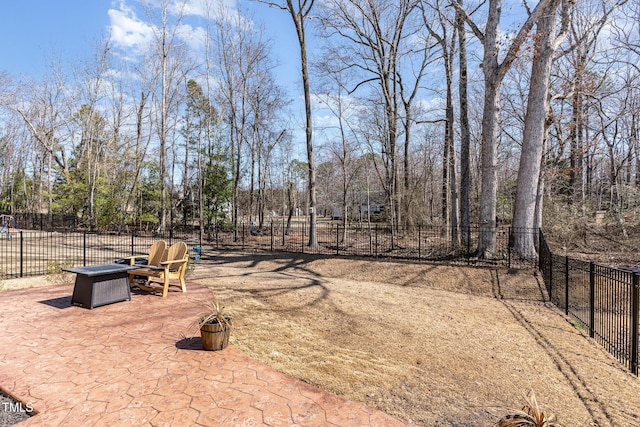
157, 253
177, 251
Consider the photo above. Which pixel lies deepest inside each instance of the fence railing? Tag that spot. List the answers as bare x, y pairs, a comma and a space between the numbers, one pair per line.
602, 300
42, 222
36, 252
421, 242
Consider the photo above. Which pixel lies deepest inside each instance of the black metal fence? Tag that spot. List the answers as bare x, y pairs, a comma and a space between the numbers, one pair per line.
602, 300
49, 222
421, 242
36, 252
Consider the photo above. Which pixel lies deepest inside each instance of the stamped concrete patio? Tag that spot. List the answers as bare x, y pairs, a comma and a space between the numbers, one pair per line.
141, 362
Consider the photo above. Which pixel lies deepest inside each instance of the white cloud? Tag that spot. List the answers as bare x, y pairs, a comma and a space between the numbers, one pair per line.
325, 121
193, 37
132, 34
127, 31
431, 104
202, 8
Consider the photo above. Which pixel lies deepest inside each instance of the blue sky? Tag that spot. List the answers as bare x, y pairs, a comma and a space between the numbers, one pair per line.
33, 32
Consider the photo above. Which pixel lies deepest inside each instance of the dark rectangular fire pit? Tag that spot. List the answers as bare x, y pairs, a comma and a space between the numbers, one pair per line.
98, 285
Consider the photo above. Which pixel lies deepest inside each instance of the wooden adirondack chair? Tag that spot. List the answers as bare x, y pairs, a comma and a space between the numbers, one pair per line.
156, 254
172, 267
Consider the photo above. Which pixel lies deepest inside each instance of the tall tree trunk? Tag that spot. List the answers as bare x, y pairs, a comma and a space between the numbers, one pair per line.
450, 152
537, 218
185, 168
299, 16
465, 134
163, 139
533, 135
575, 157
488, 149
535, 127
488, 161
494, 73
406, 200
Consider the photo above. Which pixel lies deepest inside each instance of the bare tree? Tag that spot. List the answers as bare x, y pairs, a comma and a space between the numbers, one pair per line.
445, 36
495, 65
93, 124
342, 144
372, 36
626, 41
243, 54
165, 32
266, 102
465, 134
546, 41
12, 161
300, 12
142, 136
586, 75
48, 115
411, 82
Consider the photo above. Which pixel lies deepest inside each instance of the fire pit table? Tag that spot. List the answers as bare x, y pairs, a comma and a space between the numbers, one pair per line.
98, 285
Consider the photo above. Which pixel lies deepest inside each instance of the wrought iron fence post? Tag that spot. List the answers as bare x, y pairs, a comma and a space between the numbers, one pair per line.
304, 225
392, 232
376, 245
21, 254
592, 299
133, 233
84, 248
635, 325
509, 241
337, 239
468, 245
549, 257
566, 285
242, 237
271, 236
419, 241
540, 258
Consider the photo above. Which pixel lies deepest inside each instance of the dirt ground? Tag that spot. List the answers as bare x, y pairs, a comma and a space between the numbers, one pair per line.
432, 344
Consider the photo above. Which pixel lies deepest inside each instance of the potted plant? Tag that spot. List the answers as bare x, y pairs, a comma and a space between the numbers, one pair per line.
530, 416
215, 327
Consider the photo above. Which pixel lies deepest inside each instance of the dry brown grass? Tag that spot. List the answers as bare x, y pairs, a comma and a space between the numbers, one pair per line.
432, 344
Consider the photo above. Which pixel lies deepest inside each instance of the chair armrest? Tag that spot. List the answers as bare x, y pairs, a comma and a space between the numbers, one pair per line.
174, 261
133, 258
151, 267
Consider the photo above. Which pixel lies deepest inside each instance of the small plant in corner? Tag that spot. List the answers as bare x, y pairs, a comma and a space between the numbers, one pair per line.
529, 416
579, 325
215, 327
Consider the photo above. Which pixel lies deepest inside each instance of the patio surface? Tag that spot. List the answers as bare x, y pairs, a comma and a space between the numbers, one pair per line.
141, 362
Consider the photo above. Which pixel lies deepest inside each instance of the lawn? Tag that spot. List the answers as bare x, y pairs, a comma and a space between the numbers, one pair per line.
432, 344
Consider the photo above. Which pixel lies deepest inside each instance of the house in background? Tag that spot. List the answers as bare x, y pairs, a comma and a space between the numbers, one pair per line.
361, 206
